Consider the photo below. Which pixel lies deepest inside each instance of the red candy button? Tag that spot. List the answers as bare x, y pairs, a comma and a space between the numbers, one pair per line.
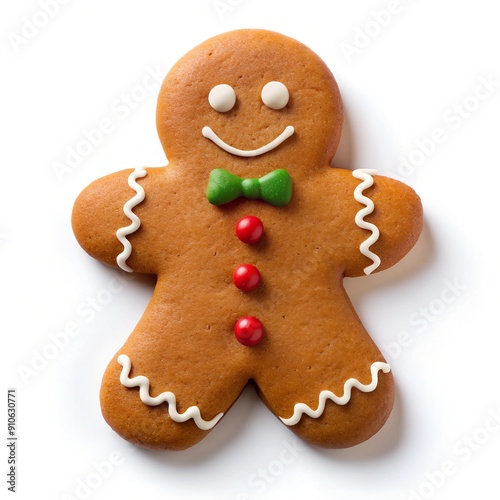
248, 331
246, 277
249, 229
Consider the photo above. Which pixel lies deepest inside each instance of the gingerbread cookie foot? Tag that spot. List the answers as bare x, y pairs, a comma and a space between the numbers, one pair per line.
342, 422
152, 421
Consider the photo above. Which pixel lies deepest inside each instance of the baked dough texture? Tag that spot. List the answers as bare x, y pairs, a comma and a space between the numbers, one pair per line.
186, 362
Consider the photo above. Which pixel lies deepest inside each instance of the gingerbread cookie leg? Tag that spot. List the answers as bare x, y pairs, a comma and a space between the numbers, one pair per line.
155, 394
335, 391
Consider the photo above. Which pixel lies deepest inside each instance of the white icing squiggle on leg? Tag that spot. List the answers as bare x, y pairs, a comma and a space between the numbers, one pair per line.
365, 175
123, 232
300, 408
165, 397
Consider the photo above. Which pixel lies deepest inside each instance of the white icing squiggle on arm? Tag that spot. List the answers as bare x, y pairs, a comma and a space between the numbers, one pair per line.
165, 397
300, 408
123, 232
365, 175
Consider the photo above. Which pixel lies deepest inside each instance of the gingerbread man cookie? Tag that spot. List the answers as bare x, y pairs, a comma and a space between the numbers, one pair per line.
250, 233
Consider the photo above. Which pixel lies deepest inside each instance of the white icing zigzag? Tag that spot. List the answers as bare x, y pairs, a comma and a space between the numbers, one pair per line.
123, 232
365, 175
300, 408
165, 397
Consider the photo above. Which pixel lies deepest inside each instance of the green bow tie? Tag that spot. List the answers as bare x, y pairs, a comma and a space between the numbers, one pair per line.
275, 188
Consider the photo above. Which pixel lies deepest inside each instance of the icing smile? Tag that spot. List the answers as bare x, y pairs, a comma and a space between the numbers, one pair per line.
210, 134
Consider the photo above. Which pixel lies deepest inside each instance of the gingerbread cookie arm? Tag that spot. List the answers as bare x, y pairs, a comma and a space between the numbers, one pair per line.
389, 217
106, 217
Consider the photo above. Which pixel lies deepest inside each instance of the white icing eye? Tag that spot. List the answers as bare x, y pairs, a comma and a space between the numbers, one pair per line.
275, 95
222, 98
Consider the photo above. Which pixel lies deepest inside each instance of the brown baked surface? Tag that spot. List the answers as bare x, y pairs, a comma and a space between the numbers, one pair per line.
314, 341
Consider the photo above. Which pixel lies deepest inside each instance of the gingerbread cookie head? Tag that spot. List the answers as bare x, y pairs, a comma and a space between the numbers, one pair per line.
255, 95
250, 233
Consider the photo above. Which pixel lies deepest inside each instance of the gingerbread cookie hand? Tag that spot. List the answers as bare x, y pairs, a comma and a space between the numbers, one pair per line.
390, 228
250, 234
107, 218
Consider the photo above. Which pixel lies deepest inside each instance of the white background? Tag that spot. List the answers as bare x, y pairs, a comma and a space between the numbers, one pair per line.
418, 69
